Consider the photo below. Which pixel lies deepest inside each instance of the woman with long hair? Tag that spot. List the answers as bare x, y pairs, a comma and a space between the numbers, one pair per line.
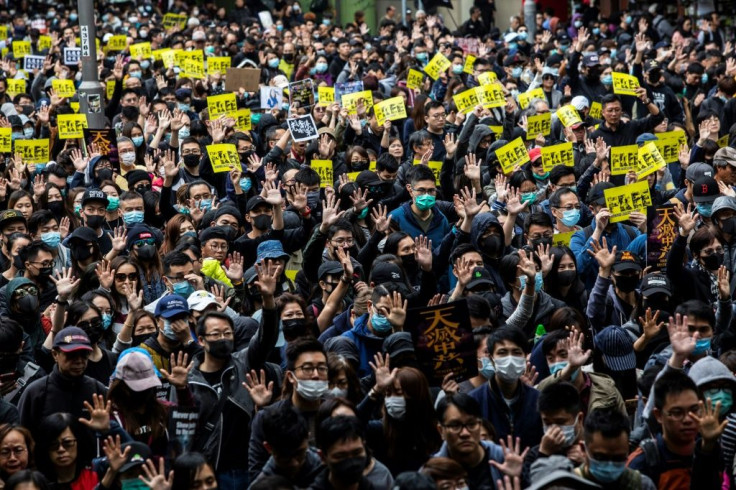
192, 471
134, 131
112, 212
64, 452
343, 380
562, 281
143, 247
139, 326
121, 278
53, 200
16, 450
22, 201
103, 300
178, 226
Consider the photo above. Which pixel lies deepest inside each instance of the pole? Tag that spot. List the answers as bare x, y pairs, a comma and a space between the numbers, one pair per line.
91, 93
403, 12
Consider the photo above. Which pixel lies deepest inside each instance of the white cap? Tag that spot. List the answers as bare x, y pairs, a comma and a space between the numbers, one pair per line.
280, 81
199, 300
579, 102
199, 36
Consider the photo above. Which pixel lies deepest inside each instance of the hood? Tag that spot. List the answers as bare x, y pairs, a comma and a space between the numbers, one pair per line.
13, 285
479, 132
360, 329
481, 223
89, 174
491, 157
710, 369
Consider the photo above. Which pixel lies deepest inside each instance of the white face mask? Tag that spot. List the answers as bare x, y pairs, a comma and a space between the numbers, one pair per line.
510, 368
337, 393
310, 389
569, 431
395, 406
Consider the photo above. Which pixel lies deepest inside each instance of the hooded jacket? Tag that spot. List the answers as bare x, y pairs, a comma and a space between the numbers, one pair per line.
544, 306
368, 343
31, 323
481, 224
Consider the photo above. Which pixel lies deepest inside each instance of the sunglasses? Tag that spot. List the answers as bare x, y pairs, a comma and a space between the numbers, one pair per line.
133, 276
147, 241
87, 324
22, 293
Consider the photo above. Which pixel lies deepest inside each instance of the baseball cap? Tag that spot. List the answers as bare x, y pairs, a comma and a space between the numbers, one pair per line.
140, 232
591, 60
137, 455
199, 300
326, 130
644, 138
650, 65
270, 249
171, 305
137, 371
10, 215
595, 194
83, 234
705, 189
697, 171
328, 268
386, 272
726, 154
94, 195
254, 202
549, 71
280, 81
71, 339
535, 153
580, 102
367, 178
479, 277
617, 348
398, 343
557, 469
626, 261
655, 283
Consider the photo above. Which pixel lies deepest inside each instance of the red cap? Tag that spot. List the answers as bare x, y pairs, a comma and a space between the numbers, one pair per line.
535, 153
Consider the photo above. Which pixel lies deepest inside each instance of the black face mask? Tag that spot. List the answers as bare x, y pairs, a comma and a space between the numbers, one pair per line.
492, 245
409, 262
289, 57
139, 339
56, 207
481, 153
360, 166
220, 349
81, 253
45, 272
191, 160
713, 261
541, 241
626, 284
146, 252
9, 363
245, 155
348, 471
28, 304
728, 225
104, 174
262, 222
565, 278
594, 74
142, 189
94, 222
94, 334
296, 327
18, 263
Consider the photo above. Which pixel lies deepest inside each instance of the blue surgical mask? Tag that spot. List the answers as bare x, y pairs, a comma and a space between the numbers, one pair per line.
578, 24
513, 46
529, 197
113, 202
169, 332
570, 217
363, 213
246, 184
628, 19
326, 22
702, 346
183, 107
559, 366
40, 167
73, 17
320, 67
209, 50
596, 31
182, 288
137, 141
606, 471
205, 204
106, 321
132, 217
421, 56
607, 79
51, 238
184, 132
457, 69
380, 323
487, 370
704, 209
145, 64
522, 36
538, 282
274, 62
613, 53
279, 27
28, 133
704, 78
564, 47
136, 74
16, 136
725, 396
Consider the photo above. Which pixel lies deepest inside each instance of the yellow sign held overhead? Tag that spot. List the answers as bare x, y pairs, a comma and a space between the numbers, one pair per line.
390, 110
350, 101
623, 159
568, 115
491, 95
217, 105
224, 157
21, 49
218, 64
141, 51
117, 43
512, 155
15, 86
596, 110
326, 95
324, 169
649, 160
71, 125
32, 151
6, 140
414, 79
242, 120
466, 100
526, 97
435, 167
538, 124
623, 200
624, 84
469, 62
63, 88
487, 77
555, 155
438, 64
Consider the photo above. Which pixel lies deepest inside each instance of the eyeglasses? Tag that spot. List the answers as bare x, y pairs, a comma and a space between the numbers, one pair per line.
45, 263
133, 276
22, 293
343, 241
421, 190
709, 251
439, 115
218, 246
191, 152
147, 241
538, 236
308, 369
457, 427
679, 414
16, 451
219, 335
65, 443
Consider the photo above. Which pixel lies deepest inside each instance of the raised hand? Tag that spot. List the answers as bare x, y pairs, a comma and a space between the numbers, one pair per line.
526, 265
724, 283
267, 277
118, 239
99, 414
423, 252
472, 168
384, 375
344, 258
330, 212
156, 479
235, 270
179, 370
360, 201
650, 325
449, 385
260, 391
381, 218
682, 343
297, 195
63, 225
134, 299
514, 206
451, 144
397, 313
683, 156
116, 457
513, 457
686, 219
272, 192
530, 375
254, 163
105, 274
576, 355
469, 202
65, 283
708, 424
602, 255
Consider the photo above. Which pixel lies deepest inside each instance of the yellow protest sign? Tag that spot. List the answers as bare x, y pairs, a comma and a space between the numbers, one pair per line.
71, 125
326, 95
350, 101
624, 84
469, 62
538, 124
512, 154
5, 140
180, 56
44, 42
649, 160
15, 86
3, 32
63, 88
623, 200
242, 120
217, 105
669, 144
487, 77
140, 51
223, 156
435, 167
174, 20
117, 43
168, 57
352, 176
623, 159
109, 88
390, 110
562, 239
324, 169
218, 64
568, 115
414, 79
491, 95
496, 129
526, 97
74, 106
555, 155
437, 65
192, 68
21, 49
466, 100
32, 151
596, 111
723, 141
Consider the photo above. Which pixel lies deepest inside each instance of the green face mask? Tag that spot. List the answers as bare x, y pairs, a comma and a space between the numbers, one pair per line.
529, 197
363, 213
255, 118
425, 202
542, 176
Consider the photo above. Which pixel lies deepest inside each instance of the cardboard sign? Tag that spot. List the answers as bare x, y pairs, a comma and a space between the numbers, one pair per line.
271, 97
64, 88
168, 58
174, 20
44, 43
723, 141
218, 64
326, 95
555, 155
562, 239
106, 142
192, 68
72, 56
3, 32
623, 159
538, 124
347, 88
350, 101
469, 62
526, 97
662, 230
487, 77
438, 64
31, 62
596, 110
218, 105
623, 200
242, 120
140, 51
71, 125
182, 429
443, 341
512, 154
21, 49
32, 151
117, 43
109, 89
669, 144
15, 86
302, 128
301, 93
649, 160
224, 157
414, 79
324, 169
6, 141
390, 110
435, 167
568, 115
466, 100
624, 84
247, 78
491, 95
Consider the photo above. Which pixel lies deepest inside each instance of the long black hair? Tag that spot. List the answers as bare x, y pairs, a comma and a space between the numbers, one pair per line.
49, 430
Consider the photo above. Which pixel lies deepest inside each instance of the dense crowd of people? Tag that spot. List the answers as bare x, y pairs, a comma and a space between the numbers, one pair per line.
194, 297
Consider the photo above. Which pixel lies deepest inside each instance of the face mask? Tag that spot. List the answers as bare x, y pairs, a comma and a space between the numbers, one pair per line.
713, 261
538, 282
565, 278
289, 57
516, 72
73, 17
274, 62
510, 368
541, 176
106, 320
209, 50
205, 204
569, 431
245, 184
702, 346
529, 197
128, 158
136, 74
363, 213
45, 272
457, 69
184, 132
704, 78
628, 19
182, 288
16, 136
704, 210
513, 47
139, 339
146, 252
220, 349
28, 133
395, 406
293, 328
40, 167
578, 24
720, 395
570, 217
492, 245
94, 334
191, 160
522, 36
627, 284
81, 253
184, 108
607, 79
113, 202
132, 217
425, 202
94, 222
279, 27
487, 369
596, 31
28, 304
564, 47
262, 222
169, 332
137, 141
145, 64
728, 225
311, 390
606, 471
421, 57
541, 241
51, 238
380, 323
348, 471
192, 234
326, 22
337, 393
559, 366
320, 67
